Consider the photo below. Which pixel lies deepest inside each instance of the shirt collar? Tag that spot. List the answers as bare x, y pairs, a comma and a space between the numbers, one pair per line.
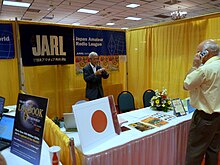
92, 65
214, 58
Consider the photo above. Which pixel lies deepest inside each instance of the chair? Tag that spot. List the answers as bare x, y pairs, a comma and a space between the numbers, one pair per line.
148, 94
125, 102
80, 101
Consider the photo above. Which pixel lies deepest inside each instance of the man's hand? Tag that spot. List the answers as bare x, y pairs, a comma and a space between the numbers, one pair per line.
99, 72
197, 61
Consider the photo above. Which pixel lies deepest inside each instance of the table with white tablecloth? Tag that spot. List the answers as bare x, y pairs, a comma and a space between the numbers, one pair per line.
162, 145
14, 159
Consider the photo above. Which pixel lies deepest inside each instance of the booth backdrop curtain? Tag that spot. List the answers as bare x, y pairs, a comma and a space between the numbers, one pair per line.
9, 82
64, 87
160, 56
157, 56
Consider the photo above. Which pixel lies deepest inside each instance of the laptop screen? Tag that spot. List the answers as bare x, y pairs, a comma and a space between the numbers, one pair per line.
2, 102
6, 127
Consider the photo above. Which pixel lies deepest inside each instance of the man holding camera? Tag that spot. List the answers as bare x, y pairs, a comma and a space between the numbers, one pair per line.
93, 74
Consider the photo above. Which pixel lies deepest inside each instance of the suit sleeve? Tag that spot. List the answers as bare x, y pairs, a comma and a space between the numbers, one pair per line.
105, 74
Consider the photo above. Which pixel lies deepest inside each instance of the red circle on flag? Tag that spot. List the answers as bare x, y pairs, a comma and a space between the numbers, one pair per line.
99, 121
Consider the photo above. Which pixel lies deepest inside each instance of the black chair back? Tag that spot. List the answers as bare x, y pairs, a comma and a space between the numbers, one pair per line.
125, 102
148, 94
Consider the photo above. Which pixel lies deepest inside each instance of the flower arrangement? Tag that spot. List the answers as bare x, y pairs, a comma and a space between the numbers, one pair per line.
161, 101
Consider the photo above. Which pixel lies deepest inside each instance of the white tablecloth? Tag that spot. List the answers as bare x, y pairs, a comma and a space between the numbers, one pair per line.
163, 145
14, 159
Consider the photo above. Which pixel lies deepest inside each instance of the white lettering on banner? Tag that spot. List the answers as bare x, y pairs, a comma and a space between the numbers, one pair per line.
81, 44
4, 38
52, 48
95, 44
81, 39
96, 39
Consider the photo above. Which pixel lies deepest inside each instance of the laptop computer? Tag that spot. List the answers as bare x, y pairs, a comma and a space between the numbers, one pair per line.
6, 131
69, 122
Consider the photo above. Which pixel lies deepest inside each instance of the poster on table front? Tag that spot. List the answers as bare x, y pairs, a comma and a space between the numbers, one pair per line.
29, 127
6, 41
46, 45
107, 44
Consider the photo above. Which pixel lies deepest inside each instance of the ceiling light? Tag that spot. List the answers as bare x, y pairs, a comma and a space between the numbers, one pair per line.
124, 28
76, 23
134, 18
19, 4
132, 5
87, 11
178, 15
110, 23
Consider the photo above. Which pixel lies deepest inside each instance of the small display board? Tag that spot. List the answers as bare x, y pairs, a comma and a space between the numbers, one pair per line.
178, 107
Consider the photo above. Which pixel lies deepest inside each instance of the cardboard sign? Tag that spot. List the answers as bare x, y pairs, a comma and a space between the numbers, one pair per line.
96, 122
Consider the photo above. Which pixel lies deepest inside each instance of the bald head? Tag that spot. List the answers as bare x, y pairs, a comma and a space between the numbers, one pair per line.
209, 45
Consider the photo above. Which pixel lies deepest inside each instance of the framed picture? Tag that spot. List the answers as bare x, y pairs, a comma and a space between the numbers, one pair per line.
178, 107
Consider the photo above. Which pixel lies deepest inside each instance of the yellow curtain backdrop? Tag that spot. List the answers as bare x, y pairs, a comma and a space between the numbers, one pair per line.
139, 65
64, 87
9, 81
160, 56
55, 137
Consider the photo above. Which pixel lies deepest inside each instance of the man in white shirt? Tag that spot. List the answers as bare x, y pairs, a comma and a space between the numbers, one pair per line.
93, 74
203, 83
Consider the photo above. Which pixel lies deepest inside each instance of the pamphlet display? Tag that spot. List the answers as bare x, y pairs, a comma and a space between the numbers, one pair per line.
29, 127
96, 122
179, 109
153, 121
164, 116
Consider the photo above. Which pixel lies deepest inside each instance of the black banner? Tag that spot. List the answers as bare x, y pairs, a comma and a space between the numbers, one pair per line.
46, 45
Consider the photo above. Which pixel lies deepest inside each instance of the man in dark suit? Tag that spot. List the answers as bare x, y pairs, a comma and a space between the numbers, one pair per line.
93, 74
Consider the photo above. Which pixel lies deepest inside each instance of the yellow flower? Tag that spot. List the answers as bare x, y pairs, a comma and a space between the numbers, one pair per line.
163, 105
157, 101
169, 102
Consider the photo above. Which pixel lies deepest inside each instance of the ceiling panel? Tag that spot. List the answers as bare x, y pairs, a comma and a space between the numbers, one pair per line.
65, 11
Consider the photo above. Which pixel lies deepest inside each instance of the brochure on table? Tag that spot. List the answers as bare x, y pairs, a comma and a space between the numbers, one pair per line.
153, 121
96, 122
29, 127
